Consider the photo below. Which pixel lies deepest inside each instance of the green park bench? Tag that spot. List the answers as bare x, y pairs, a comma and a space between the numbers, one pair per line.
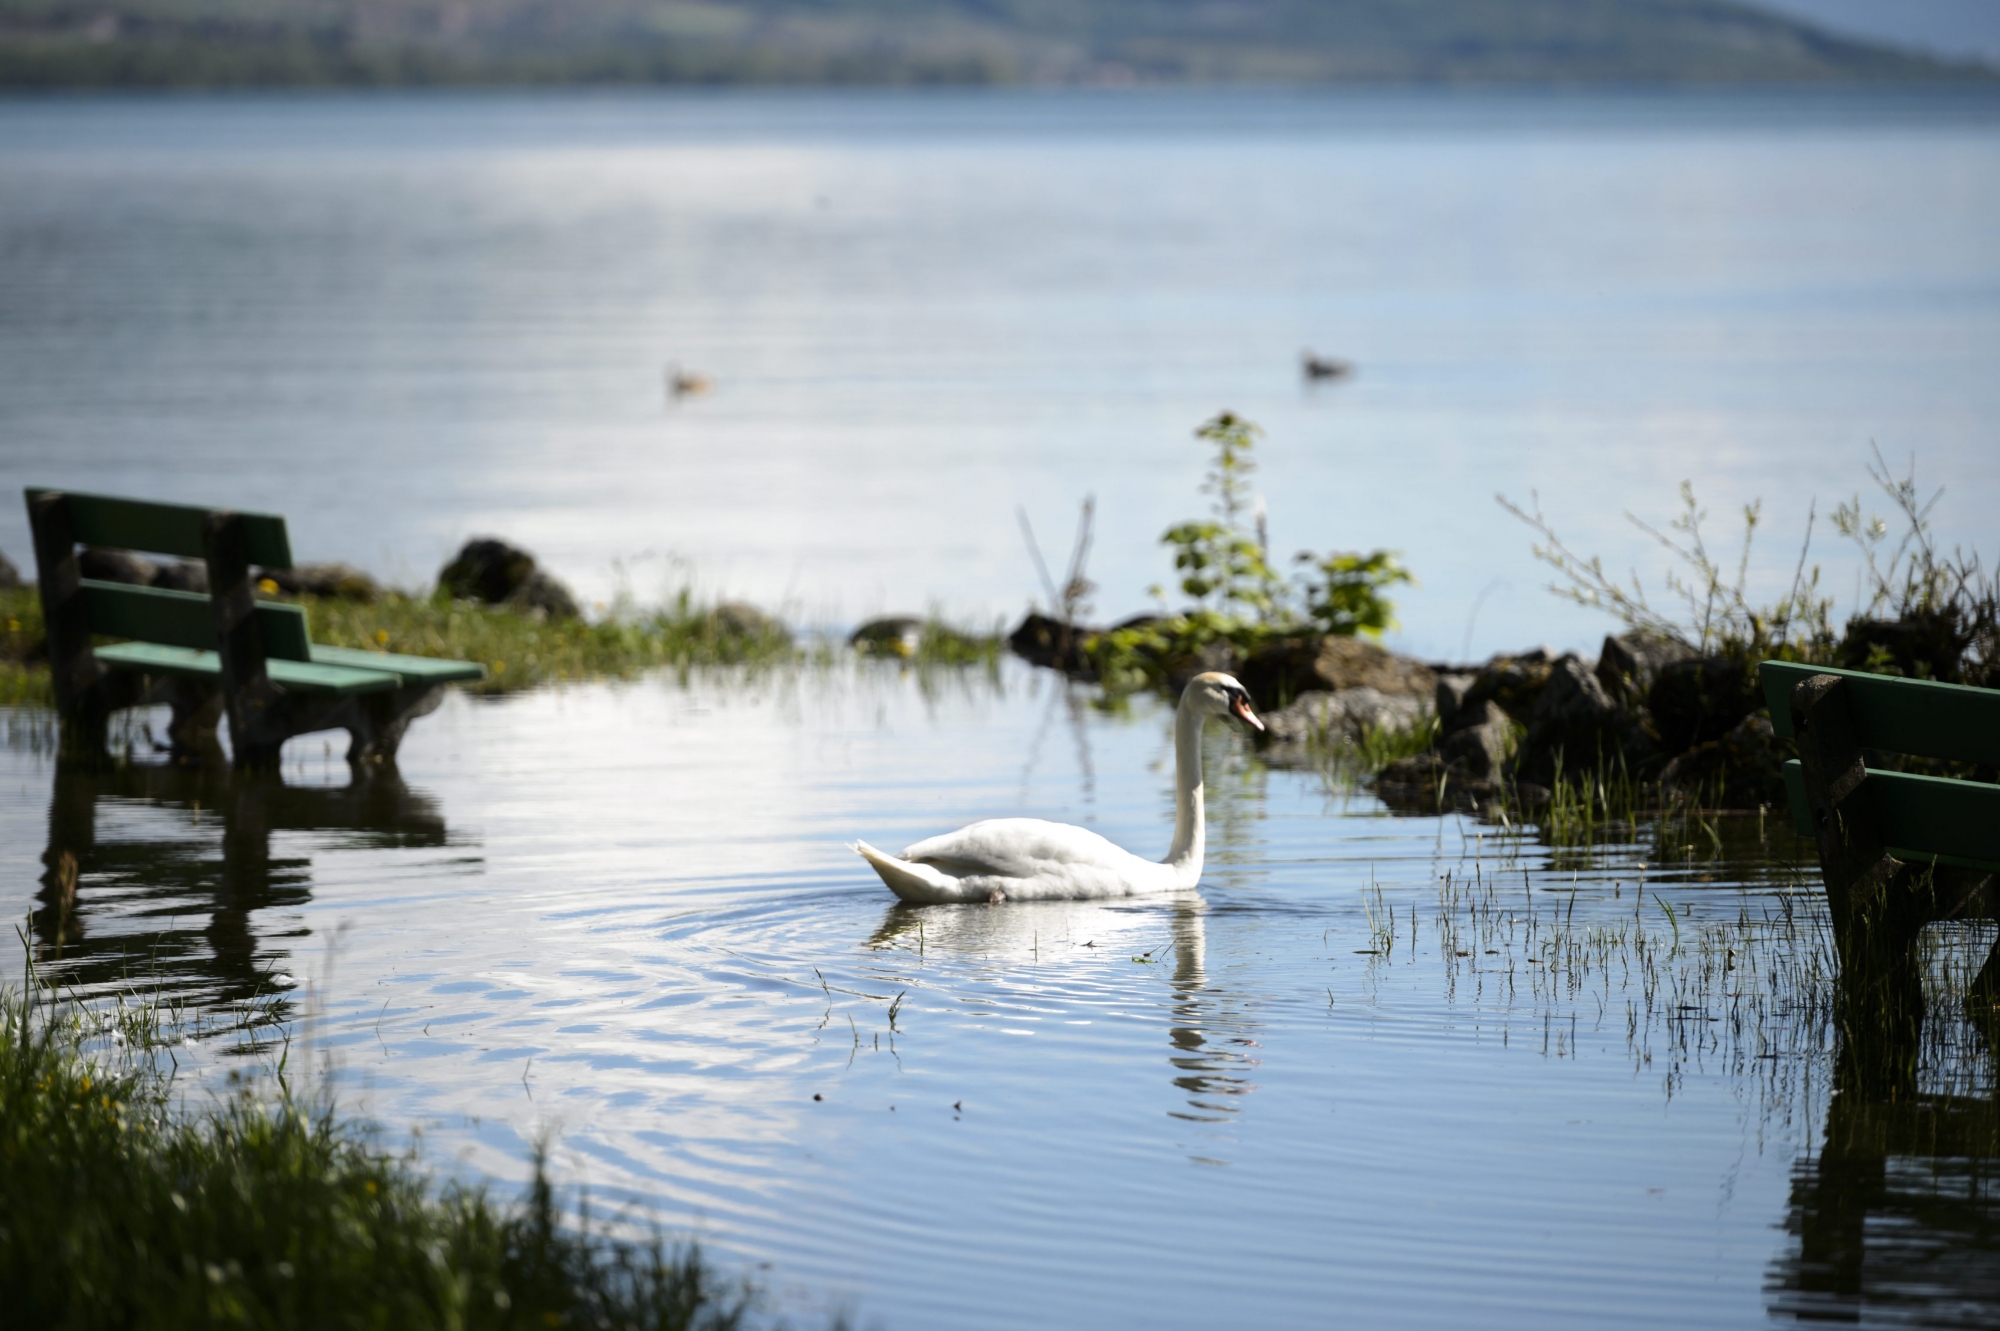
224, 652
1897, 850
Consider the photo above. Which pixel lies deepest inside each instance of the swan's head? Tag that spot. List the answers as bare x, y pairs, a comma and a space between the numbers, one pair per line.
1217, 694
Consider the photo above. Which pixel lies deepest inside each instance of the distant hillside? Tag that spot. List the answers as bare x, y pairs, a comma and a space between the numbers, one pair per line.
236, 43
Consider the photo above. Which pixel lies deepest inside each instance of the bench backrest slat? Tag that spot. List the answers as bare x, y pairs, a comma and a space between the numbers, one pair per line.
166, 529
1922, 817
1914, 716
184, 619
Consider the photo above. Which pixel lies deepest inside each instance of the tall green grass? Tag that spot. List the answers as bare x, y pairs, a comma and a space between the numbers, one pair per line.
119, 1208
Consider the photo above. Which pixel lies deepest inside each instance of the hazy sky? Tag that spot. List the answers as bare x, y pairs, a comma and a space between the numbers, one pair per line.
1950, 27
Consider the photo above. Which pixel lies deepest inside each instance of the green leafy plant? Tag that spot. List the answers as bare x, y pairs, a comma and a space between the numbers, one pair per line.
1345, 592
1234, 594
1225, 567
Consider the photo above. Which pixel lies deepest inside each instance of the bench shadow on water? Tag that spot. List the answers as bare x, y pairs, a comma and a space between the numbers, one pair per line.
215, 859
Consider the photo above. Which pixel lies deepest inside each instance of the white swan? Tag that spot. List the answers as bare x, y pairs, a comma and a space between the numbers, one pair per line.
1027, 859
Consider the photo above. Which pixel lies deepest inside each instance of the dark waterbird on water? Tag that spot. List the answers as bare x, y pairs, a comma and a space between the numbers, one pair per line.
1325, 367
686, 383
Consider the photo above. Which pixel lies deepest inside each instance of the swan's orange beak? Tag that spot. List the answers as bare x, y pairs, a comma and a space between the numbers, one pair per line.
1241, 708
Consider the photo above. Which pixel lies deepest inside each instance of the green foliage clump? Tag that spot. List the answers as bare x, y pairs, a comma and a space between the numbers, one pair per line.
1234, 594
119, 1211
1346, 596
24, 676
1224, 568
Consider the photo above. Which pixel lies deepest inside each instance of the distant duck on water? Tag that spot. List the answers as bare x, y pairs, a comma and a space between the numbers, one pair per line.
686, 383
1027, 859
1325, 367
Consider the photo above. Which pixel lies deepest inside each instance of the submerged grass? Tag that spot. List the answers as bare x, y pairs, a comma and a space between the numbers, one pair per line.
121, 1209
1748, 989
1347, 760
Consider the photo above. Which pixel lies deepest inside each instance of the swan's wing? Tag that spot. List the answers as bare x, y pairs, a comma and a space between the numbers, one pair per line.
1015, 848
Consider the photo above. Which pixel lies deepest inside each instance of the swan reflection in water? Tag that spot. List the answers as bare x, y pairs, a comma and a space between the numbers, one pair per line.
158, 873
1208, 1038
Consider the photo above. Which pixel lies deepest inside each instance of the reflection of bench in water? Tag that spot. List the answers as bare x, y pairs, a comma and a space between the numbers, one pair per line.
1898, 1216
204, 654
157, 881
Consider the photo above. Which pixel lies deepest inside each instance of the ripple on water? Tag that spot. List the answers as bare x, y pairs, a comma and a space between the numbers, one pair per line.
1185, 1111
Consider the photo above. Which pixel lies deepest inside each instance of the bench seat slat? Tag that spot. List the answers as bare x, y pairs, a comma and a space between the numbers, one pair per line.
1918, 716
1922, 817
184, 619
301, 676
166, 529
414, 669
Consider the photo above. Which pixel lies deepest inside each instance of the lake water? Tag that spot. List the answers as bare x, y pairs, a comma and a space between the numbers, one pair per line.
1389, 1070
403, 320
1380, 1069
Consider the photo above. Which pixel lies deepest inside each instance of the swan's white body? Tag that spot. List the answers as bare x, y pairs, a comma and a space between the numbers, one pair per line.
1028, 859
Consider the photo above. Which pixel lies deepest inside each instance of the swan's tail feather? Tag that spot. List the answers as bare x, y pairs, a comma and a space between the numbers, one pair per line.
911, 882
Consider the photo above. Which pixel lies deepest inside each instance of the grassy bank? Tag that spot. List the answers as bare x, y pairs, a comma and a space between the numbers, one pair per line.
121, 1209
523, 649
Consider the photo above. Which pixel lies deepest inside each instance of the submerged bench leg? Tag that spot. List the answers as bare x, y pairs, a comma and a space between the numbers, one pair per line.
378, 729
192, 730
374, 722
1982, 996
1879, 904
86, 721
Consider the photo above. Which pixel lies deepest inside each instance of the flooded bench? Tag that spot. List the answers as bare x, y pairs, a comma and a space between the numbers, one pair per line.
207, 655
1897, 850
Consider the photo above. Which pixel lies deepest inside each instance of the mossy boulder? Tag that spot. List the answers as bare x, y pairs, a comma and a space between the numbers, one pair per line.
1742, 769
496, 573
1286, 668
1701, 699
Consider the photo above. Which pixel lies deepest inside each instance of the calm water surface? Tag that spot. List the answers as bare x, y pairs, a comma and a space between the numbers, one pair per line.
1380, 1069
403, 320
1322, 1088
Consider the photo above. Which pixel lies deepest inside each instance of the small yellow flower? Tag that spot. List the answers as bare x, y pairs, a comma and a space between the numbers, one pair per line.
13, 626
267, 586
499, 667
381, 637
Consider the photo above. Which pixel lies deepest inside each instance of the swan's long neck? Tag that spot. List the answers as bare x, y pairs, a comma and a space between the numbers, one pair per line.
1189, 832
